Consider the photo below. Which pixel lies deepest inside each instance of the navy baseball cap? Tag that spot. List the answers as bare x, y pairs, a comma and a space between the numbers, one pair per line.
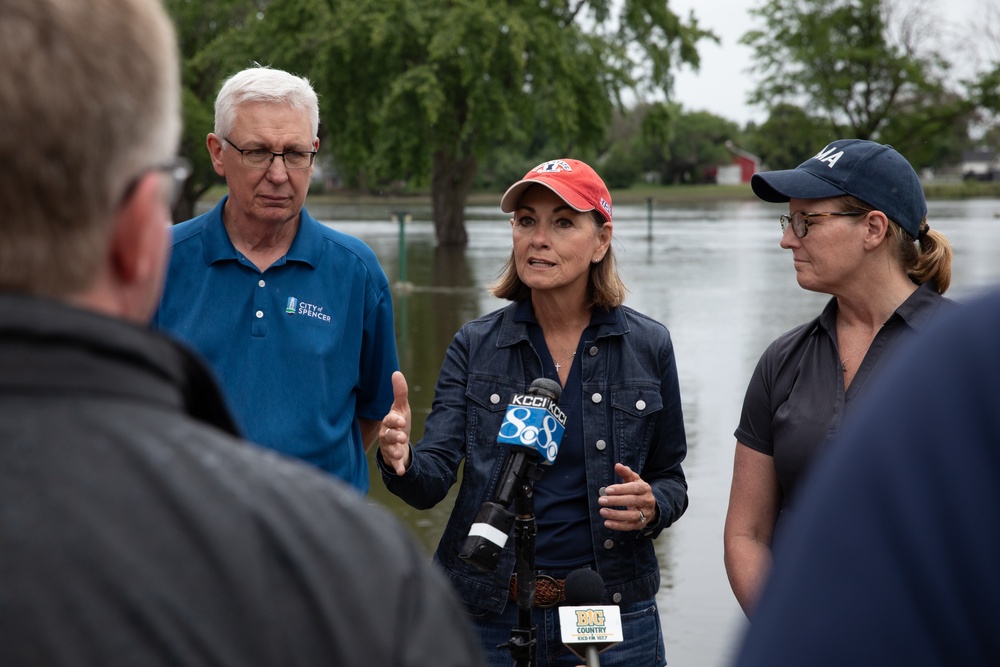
874, 173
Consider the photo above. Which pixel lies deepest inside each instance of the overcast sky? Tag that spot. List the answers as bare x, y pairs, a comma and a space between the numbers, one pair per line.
722, 83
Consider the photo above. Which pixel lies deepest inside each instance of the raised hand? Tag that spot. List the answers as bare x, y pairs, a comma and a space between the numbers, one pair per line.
394, 436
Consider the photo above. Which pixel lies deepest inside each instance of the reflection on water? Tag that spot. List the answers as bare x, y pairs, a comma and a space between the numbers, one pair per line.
714, 274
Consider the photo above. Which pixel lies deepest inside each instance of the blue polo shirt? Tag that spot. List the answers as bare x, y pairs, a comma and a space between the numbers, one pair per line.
302, 349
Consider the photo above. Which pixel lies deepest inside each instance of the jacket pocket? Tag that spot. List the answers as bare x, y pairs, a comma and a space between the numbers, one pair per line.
487, 399
635, 409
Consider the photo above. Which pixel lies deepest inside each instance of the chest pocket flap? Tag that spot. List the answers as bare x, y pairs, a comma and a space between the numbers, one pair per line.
637, 400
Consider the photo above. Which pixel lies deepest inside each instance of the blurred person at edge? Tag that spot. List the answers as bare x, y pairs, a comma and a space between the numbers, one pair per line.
617, 481
857, 229
136, 528
295, 317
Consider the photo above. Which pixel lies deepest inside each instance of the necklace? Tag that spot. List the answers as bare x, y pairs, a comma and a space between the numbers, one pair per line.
566, 353
844, 361
558, 365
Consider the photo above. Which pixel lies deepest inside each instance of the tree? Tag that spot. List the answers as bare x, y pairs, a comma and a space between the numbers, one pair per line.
932, 132
698, 147
217, 39
424, 89
684, 147
201, 28
865, 67
622, 164
788, 137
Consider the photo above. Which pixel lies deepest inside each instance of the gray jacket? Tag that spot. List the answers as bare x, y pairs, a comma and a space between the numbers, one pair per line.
136, 529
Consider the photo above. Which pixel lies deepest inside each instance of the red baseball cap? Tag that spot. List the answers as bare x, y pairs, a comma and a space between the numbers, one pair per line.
574, 181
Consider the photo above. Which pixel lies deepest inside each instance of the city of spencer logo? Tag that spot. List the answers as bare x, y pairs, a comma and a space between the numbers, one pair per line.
296, 307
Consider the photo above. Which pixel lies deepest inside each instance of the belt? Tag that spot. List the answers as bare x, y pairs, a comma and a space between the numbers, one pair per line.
549, 592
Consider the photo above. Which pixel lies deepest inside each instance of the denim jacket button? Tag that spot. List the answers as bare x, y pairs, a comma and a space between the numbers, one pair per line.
609, 544
601, 445
640, 404
617, 597
596, 398
592, 351
494, 399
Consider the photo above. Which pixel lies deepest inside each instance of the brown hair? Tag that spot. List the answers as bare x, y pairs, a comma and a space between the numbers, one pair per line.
605, 288
926, 258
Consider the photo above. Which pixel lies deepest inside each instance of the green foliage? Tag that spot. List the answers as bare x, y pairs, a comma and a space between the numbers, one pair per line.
865, 69
854, 63
788, 137
431, 88
620, 169
699, 146
932, 132
657, 123
460, 77
422, 91
684, 147
215, 39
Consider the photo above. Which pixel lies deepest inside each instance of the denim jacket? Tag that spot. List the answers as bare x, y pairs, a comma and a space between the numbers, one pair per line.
631, 414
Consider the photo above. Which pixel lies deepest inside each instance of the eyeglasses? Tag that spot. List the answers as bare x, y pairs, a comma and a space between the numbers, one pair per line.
800, 221
259, 158
178, 169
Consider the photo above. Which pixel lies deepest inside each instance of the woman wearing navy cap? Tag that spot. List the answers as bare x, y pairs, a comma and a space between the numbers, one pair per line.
616, 482
857, 229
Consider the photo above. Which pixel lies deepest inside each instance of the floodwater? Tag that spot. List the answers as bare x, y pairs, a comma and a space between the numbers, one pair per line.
714, 274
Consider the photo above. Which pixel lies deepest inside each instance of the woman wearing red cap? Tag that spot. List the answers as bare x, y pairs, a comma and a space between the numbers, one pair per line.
616, 482
857, 229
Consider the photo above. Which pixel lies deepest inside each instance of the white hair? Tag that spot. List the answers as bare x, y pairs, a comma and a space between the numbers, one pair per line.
263, 84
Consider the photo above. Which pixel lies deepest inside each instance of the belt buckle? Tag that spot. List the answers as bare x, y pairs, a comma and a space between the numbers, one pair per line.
551, 584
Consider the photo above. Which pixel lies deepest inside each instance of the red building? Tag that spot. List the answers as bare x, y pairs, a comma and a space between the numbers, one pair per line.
742, 166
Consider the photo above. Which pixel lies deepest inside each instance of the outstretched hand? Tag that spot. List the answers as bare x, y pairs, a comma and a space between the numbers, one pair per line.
629, 505
394, 436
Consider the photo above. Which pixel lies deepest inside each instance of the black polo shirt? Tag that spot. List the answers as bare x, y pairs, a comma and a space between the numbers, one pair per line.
796, 398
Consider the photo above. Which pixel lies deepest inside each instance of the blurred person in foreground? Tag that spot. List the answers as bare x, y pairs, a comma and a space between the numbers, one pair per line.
891, 556
857, 229
617, 481
135, 527
294, 316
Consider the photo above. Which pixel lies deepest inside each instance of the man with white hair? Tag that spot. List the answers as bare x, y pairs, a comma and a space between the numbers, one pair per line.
135, 527
295, 317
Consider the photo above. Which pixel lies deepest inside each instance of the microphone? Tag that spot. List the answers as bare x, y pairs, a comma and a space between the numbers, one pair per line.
533, 427
588, 627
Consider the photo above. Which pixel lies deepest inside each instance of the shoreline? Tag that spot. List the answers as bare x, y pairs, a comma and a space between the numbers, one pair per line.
638, 194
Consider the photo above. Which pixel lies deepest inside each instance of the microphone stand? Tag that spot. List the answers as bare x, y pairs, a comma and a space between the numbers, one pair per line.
524, 636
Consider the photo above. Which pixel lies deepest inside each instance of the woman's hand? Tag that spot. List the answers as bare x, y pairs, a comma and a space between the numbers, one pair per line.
394, 436
629, 505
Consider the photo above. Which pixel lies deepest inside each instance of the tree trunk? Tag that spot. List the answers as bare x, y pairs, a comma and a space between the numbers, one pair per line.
187, 201
450, 185
184, 209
